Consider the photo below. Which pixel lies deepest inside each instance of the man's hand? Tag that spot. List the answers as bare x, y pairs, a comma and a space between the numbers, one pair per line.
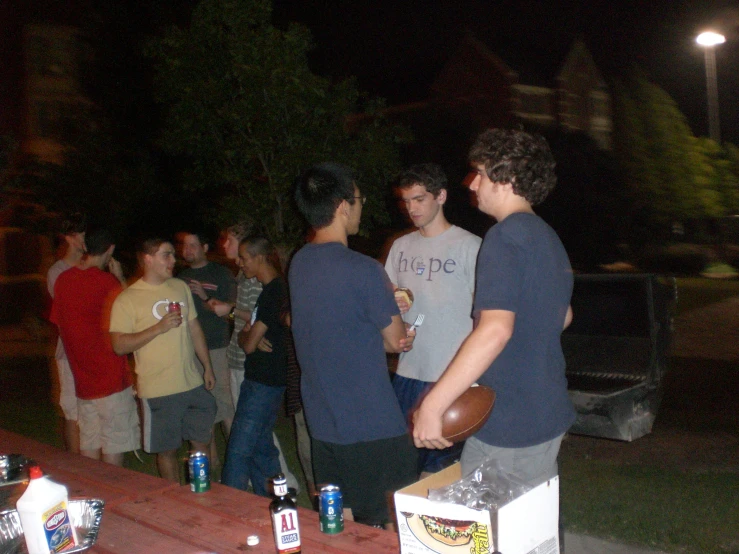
427, 429
264, 345
114, 267
403, 305
196, 287
410, 336
170, 321
241, 339
125, 343
221, 308
209, 379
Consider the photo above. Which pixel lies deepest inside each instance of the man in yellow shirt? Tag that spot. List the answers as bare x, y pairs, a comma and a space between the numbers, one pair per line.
175, 401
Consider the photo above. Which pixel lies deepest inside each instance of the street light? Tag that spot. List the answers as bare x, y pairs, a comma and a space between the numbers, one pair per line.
708, 41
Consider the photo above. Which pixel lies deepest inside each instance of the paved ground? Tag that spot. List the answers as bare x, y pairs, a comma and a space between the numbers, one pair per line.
710, 333
581, 544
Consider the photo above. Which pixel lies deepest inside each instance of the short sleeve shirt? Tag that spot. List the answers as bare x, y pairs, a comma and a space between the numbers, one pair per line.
440, 272
270, 368
247, 292
166, 364
59, 267
340, 301
81, 310
219, 284
523, 268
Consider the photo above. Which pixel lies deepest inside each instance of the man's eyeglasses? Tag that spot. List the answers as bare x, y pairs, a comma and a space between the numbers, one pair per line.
362, 198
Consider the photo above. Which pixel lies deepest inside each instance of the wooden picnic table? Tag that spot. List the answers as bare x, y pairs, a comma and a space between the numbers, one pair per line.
146, 514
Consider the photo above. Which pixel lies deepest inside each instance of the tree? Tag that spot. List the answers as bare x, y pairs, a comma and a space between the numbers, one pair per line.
113, 184
248, 114
670, 174
726, 176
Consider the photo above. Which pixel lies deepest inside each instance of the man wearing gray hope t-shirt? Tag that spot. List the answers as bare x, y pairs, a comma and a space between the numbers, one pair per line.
437, 264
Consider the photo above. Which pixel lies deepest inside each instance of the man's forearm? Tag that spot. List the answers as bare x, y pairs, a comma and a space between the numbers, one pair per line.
125, 343
200, 345
393, 334
474, 357
244, 315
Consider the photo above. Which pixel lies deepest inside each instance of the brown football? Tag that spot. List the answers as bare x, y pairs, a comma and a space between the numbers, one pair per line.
467, 413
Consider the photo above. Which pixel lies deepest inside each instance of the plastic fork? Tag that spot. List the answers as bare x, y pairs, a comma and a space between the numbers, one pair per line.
417, 323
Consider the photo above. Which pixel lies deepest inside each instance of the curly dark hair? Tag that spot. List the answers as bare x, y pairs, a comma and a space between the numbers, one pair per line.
519, 158
429, 175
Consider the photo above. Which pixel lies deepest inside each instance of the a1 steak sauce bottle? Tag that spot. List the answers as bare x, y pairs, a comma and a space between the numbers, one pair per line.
284, 517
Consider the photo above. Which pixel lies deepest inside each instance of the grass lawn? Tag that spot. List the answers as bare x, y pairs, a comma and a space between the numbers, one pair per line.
670, 510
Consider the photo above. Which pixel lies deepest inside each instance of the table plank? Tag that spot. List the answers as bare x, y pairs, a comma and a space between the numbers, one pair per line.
13, 443
145, 514
120, 535
228, 501
79, 487
52, 460
189, 523
245, 506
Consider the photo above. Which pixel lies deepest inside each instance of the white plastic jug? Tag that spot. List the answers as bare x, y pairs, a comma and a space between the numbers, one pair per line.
43, 512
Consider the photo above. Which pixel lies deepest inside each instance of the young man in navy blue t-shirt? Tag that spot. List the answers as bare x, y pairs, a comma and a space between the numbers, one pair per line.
344, 319
522, 304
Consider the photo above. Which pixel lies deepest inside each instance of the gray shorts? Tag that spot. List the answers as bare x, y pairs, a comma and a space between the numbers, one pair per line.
534, 464
168, 420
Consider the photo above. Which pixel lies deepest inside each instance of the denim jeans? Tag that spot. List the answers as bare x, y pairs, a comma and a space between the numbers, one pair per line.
409, 393
251, 454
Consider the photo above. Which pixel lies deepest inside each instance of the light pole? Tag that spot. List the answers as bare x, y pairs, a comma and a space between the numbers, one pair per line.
708, 41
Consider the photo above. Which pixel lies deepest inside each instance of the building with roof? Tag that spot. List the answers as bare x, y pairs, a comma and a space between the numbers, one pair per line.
477, 88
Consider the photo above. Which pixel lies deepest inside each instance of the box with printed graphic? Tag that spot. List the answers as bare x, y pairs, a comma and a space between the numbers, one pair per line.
527, 524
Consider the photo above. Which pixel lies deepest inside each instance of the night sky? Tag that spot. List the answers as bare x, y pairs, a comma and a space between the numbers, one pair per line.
397, 48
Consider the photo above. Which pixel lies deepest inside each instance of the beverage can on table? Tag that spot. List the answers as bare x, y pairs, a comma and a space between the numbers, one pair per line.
199, 472
331, 509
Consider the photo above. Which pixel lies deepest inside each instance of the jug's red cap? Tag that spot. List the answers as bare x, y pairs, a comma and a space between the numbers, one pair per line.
34, 472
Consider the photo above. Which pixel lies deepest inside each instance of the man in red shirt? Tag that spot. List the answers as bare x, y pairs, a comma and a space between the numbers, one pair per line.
83, 295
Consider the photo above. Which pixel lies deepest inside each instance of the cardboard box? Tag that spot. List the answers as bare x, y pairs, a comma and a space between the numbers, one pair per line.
527, 525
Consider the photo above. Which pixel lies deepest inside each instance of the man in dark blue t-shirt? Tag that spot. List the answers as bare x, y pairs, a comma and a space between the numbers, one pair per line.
344, 319
522, 304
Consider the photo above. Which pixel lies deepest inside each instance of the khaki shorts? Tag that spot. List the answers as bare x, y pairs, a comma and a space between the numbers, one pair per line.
67, 393
222, 390
110, 423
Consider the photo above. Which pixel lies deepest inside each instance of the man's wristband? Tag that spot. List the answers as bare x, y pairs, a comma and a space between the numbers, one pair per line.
231, 313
